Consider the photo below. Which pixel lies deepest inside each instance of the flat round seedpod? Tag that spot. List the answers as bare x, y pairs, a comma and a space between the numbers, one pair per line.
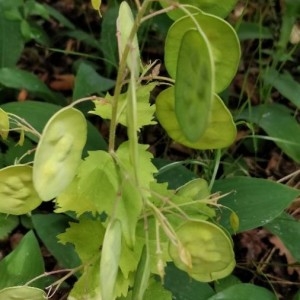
205, 251
58, 153
21, 293
17, 194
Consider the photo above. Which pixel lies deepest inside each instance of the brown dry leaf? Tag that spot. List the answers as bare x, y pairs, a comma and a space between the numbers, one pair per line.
22, 96
63, 82
283, 251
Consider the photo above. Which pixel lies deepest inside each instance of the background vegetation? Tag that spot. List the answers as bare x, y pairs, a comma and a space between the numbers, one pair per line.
54, 52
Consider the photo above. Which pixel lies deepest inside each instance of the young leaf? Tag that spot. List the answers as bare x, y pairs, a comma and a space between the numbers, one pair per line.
223, 42
145, 111
17, 193
58, 153
98, 168
194, 85
220, 131
110, 257
207, 246
87, 242
234, 221
125, 24
21, 293
4, 124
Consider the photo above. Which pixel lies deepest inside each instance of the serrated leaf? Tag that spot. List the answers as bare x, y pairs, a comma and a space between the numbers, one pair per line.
125, 24
4, 124
47, 227
21, 293
194, 84
71, 200
87, 286
109, 263
156, 291
58, 153
87, 237
98, 180
22, 264
147, 171
145, 111
7, 224
220, 131
17, 193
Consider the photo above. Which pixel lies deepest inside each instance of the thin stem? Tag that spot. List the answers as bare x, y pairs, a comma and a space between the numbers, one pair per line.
120, 75
216, 167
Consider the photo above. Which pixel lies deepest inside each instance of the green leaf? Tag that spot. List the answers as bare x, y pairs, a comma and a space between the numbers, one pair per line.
88, 82
220, 131
7, 224
11, 42
196, 189
194, 85
17, 193
59, 17
244, 291
87, 286
156, 291
226, 282
219, 8
94, 188
109, 263
254, 206
22, 264
87, 237
286, 85
203, 250
125, 24
58, 153
184, 287
4, 124
223, 42
48, 227
288, 230
128, 210
279, 123
251, 31
71, 199
144, 110
20, 79
146, 172
21, 293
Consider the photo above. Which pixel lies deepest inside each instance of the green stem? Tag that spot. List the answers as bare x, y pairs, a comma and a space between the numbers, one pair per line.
120, 75
216, 167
